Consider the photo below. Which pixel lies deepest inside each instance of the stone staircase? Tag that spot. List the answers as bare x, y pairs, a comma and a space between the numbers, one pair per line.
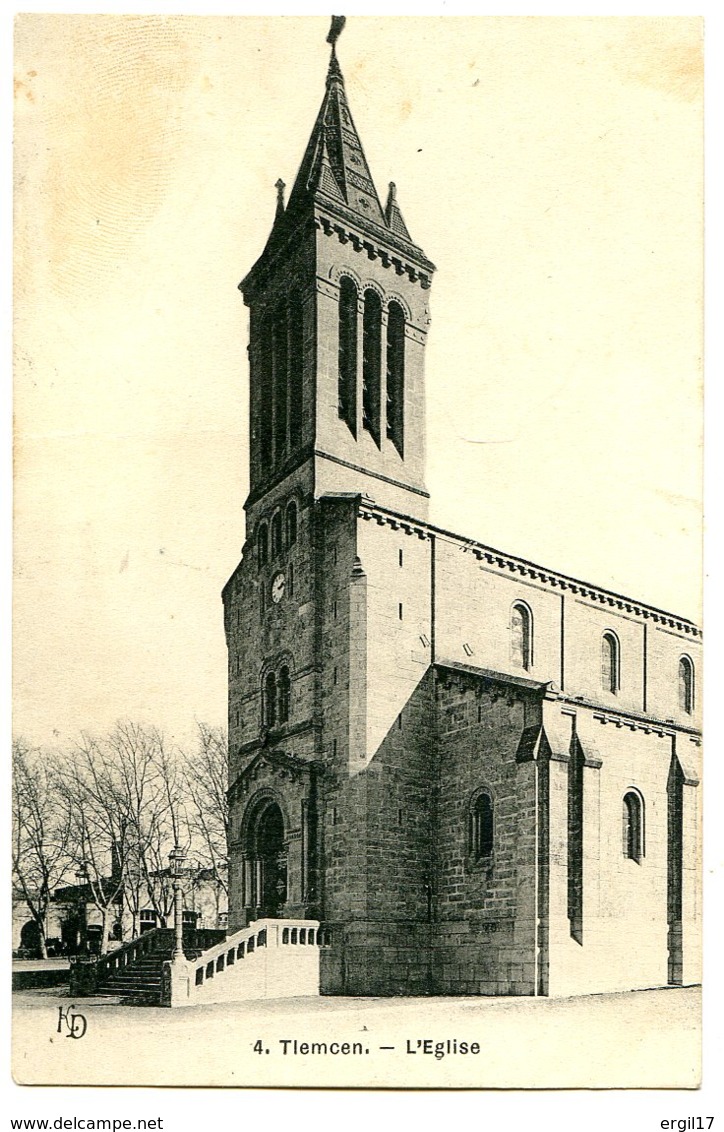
267, 959
139, 982
134, 971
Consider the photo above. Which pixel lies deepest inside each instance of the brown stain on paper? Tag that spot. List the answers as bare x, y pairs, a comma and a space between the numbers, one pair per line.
113, 131
670, 61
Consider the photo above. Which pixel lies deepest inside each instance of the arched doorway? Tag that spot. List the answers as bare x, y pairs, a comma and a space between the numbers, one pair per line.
30, 938
267, 861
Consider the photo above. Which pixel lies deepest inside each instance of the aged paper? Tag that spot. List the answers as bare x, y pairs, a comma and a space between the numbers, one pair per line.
551, 169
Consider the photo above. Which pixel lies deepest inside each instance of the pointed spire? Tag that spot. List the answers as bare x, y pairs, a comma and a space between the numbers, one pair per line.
334, 168
393, 216
334, 162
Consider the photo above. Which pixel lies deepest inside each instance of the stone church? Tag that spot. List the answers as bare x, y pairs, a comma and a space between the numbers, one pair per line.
480, 775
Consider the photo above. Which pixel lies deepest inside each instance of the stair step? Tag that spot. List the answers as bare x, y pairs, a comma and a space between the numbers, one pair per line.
151, 998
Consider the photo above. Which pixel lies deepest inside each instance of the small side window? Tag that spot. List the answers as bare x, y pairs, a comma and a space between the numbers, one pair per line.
481, 826
262, 544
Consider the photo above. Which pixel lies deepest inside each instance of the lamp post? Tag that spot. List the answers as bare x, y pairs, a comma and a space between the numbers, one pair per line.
81, 933
177, 858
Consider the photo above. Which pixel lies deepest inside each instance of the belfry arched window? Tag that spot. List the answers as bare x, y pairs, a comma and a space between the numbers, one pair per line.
371, 364
521, 635
281, 382
266, 392
396, 375
262, 544
633, 825
291, 523
686, 685
347, 361
481, 826
610, 663
296, 370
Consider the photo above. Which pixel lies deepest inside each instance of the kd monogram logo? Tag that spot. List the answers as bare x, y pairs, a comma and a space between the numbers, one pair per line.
76, 1024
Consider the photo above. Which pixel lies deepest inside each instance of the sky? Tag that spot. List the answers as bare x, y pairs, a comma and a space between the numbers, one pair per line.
550, 168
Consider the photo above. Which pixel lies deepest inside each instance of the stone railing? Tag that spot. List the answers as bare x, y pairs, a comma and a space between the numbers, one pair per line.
87, 973
267, 959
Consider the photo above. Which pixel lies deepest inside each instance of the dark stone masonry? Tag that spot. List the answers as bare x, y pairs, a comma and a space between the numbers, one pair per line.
480, 775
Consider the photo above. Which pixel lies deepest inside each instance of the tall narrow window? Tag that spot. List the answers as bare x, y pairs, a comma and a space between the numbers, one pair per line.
521, 636
284, 694
610, 661
276, 534
575, 842
266, 394
633, 826
296, 370
291, 523
674, 868
371, 364
281, 383
481, 826
396, 375
347, 377
270, 700
262, 544
686, 685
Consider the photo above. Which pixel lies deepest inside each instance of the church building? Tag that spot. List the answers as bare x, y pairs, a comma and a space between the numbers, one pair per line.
477, 774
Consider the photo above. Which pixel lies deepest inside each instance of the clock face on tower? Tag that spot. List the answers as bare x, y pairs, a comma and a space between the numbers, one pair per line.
277, 588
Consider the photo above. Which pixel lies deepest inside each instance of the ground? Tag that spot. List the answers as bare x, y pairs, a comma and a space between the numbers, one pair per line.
641, 1039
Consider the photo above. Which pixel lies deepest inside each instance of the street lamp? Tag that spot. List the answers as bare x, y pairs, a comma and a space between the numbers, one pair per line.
81, 928
177, 858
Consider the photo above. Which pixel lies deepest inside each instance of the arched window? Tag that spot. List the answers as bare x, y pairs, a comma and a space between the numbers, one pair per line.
270, 700
291, 523
281, 383
347, 374
686, 685
284, 694
371, 364
266, 393
521, 636
262, 544
480, 836
396, 375
296, 369
633, 825
276, 534
610, 663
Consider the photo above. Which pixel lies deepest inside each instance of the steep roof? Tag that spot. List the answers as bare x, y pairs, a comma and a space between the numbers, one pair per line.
334, 175
334, 163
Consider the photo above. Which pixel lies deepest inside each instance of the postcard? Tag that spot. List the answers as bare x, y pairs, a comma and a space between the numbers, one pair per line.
357, 594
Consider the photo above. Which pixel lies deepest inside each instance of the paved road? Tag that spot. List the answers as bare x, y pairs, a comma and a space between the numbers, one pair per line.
641, 1039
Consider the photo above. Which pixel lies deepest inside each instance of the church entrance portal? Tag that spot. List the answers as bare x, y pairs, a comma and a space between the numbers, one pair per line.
268, 862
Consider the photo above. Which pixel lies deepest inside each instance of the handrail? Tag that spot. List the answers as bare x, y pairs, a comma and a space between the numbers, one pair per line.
158, 939
258, 934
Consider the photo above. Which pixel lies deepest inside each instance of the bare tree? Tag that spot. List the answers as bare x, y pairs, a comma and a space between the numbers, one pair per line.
206, 778
162, 826
100, 822
40, 831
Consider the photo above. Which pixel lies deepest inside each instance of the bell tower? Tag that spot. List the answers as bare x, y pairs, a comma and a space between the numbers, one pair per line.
338, 304
339, 316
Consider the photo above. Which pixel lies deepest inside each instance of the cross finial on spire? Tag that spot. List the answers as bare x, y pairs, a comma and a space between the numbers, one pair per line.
335, 29
280, 187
